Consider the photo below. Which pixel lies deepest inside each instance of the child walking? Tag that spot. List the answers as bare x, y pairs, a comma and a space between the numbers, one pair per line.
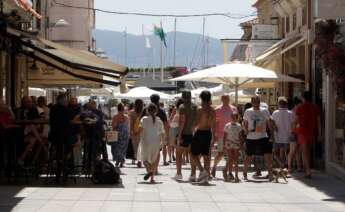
233, 142
152, 131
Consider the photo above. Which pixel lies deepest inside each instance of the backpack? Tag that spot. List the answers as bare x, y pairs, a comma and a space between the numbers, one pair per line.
105, 173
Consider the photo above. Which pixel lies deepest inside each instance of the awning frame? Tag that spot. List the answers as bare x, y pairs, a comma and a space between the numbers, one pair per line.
113, 83
65, 62
62, 64
69, 63
28, 40
273, 50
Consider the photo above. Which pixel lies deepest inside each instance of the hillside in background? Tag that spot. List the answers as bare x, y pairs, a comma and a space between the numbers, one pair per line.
189, 49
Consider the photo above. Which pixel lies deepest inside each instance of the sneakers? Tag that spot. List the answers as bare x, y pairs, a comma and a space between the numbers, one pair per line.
203, 175
192, 179
178, 177
257, 174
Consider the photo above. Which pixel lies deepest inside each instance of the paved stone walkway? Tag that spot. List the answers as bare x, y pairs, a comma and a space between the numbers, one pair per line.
321, 194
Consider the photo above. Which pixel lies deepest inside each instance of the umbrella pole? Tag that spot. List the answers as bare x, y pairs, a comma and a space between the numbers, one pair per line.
236, 95
236, 92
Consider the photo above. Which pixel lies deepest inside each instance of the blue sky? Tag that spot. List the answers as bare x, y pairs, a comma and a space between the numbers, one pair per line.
218, 27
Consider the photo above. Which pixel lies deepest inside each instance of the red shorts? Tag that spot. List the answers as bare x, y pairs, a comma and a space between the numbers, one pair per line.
305, 139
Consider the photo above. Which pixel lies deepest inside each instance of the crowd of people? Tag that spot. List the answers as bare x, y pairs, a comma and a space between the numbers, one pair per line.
185, 133
188, 133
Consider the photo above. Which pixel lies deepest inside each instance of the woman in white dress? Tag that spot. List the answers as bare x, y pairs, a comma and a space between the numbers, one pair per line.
152, 131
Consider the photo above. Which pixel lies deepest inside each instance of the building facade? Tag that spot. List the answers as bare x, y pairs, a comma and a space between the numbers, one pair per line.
332, 80
70, 27
27, 59
66, 25
285, 38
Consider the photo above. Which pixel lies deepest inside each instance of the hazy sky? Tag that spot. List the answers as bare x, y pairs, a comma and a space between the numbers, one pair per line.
219, 27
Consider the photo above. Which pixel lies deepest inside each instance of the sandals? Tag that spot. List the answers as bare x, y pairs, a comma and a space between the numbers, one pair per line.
148, 175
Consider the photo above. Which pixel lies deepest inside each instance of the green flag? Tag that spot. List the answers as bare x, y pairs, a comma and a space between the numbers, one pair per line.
158, 31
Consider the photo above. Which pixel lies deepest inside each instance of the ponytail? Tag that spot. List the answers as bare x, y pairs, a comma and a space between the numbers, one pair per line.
153, 117
152, 110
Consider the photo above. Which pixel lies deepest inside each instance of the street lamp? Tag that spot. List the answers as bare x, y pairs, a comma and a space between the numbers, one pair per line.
58, 24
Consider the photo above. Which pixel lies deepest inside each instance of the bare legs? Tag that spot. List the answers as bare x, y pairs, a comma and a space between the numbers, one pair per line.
217, 159
306, 159
294, 148
246, 164
179, 152
171, 151
30, 141
165, 153
280, 156
268, 162
135, 143
233, 155
151, 169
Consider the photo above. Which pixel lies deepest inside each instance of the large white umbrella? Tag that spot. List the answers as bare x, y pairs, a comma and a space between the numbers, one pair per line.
236, 75
143, 93
214, 90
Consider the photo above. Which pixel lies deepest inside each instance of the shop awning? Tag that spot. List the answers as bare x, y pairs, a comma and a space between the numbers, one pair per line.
280, 47
77, 63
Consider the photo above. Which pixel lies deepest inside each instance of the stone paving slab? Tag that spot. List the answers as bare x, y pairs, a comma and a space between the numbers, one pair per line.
322, 194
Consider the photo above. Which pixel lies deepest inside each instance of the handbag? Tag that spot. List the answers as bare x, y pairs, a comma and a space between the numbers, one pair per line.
111, 136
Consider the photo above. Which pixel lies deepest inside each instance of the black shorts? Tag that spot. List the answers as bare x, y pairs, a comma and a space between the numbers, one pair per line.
258, 146
186, 141
201, 143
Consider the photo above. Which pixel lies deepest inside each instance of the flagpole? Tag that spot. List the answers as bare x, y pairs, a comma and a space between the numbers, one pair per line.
153, 66
175, 42
203, 42
125, 46
161, 57
142, 29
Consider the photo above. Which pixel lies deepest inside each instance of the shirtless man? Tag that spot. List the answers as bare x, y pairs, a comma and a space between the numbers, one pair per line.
201, 143
187, 120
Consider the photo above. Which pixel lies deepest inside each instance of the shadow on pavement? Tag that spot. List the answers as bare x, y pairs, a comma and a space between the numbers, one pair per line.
9, 198
329, 185
149, 183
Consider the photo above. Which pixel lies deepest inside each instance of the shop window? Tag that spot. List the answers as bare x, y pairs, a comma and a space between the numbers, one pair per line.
294, 21
282, 27
304, 16
287, 24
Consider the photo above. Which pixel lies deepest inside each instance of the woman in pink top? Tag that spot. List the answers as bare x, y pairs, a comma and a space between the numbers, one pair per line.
223, 116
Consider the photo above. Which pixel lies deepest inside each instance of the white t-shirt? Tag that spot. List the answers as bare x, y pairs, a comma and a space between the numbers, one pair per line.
257, 123
283, 118
233, 131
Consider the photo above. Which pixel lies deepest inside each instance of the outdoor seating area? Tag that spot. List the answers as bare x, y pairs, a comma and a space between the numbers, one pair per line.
29, 152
